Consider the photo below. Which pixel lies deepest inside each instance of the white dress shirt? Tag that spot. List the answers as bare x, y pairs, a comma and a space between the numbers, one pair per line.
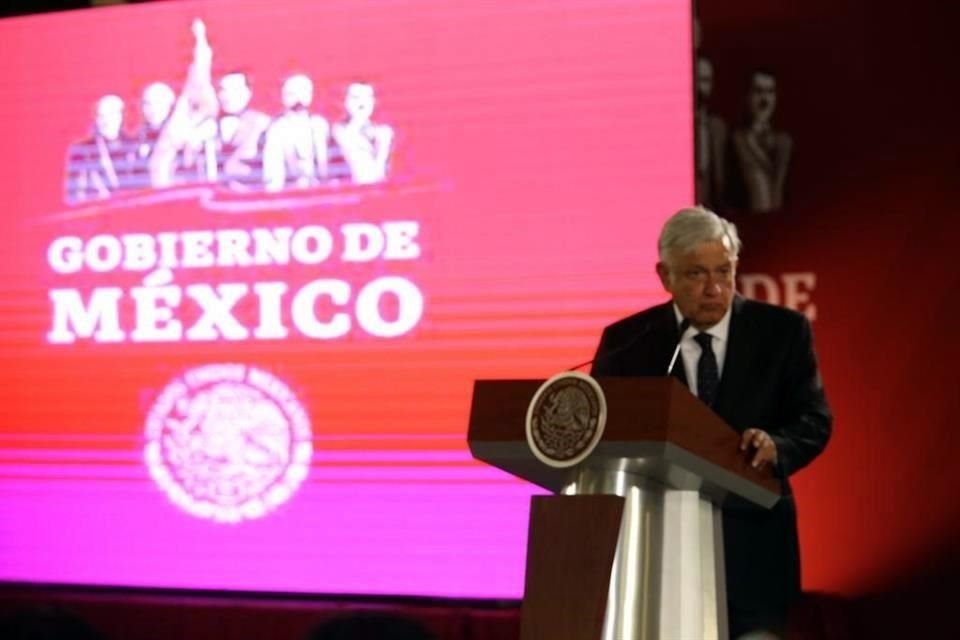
690, 350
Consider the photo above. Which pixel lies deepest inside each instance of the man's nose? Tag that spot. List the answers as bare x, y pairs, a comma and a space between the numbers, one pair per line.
712, 288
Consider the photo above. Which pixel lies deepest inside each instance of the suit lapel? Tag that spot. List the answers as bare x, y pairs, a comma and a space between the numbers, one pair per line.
679, 370
736, 363
671, 333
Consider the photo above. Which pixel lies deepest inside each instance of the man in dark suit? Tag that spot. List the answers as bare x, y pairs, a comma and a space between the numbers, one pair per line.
754, 364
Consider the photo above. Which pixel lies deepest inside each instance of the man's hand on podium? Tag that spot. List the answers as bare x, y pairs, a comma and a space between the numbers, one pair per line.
766, 448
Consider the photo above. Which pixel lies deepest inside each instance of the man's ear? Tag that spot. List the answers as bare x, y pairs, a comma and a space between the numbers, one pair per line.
663, 271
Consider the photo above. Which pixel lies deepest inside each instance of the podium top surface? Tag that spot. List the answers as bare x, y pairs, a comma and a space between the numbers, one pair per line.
655, 428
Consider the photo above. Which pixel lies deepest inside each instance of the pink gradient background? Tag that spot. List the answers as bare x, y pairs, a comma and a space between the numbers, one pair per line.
539, 146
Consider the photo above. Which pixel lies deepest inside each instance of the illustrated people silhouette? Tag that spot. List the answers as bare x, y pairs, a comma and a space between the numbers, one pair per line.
760, 152
295, 151
185, 148
711, 140
101, 164
364, 144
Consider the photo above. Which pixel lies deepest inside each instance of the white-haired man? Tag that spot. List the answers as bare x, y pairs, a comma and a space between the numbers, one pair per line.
755, 366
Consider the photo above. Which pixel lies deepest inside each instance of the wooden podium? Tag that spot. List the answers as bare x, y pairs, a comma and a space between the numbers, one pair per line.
632, 547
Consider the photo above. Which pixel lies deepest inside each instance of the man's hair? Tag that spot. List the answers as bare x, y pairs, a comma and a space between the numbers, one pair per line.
762, 71
689, 227
109, 99
160, 90
237, 72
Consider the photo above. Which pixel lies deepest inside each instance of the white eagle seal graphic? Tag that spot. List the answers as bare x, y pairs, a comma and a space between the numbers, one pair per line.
565, 419
228, 442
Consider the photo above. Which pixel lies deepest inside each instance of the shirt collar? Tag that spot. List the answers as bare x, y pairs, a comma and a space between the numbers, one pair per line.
720, 331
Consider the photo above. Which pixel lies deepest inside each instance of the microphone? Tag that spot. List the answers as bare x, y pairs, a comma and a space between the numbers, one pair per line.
623, 347
676, 352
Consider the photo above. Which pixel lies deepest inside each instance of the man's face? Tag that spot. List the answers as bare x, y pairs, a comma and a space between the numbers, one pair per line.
297, 92
701, 282
156, 104
109, 117
763, 95
234, 93
359, 102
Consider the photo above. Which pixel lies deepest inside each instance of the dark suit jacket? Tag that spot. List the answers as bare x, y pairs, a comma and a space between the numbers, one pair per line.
769, 381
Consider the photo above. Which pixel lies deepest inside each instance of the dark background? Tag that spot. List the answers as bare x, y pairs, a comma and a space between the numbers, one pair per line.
868, 92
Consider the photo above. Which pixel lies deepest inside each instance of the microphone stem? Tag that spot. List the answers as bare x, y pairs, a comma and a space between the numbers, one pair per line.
673, 360
676, 352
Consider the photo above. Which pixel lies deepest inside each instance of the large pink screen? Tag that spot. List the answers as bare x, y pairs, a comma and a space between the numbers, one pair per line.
255, 254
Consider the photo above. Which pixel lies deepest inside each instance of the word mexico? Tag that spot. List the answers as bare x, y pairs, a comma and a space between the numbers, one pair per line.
385, 307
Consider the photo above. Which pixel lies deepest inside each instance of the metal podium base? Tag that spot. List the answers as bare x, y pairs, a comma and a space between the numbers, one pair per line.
667, 581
